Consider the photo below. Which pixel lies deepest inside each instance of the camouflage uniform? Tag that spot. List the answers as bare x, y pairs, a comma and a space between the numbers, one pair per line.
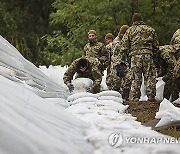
176, 81
166, 60
175, 41
97, 50
91, 72
113, 81
140, 42
171, 54
109, 49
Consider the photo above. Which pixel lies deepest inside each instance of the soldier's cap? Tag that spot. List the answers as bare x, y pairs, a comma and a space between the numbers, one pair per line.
83, 62
109, 36
92, 32
123, 29
136, 17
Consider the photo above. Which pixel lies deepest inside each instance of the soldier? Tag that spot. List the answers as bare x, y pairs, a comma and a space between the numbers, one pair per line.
109, 39
119, 78
176, 81
171, 53
141, 44
85, 68
95, 49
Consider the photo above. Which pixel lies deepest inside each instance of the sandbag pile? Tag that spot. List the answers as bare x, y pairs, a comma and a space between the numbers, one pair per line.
105, 114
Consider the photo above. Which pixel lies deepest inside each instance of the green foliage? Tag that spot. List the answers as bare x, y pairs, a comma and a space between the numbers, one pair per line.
77, 17
54, 32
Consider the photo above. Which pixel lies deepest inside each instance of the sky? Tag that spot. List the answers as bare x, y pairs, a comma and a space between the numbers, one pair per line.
39, 115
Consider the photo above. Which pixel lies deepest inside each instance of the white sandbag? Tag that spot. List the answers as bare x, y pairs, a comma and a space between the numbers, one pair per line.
159, 89
84, 99
86, 104
79, 110
107, 113
114, 98
107, 103
110, 93
79, 95
168, 113
82, 85
119, 109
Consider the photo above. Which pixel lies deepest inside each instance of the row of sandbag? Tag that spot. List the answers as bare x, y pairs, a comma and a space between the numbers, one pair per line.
106, 114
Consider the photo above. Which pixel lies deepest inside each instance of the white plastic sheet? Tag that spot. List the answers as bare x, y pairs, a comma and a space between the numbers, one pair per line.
167, 113
15, 67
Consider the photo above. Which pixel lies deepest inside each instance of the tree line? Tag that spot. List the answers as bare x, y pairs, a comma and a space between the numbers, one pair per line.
54, 32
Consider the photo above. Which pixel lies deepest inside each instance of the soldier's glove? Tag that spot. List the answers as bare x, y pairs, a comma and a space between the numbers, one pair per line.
96, 89
70, 87
119, 70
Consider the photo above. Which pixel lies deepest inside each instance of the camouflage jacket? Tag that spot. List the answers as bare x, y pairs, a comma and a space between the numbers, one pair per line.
99, 51
176, 71
140, 39
167, 53
92, 72
117, 54
109, 49
175, 42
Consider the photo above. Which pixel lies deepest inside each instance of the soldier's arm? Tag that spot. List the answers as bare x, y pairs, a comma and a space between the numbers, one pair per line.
155, 43
85, 49
176, 71
68, 75
175, 41
125, 43
118, 54
104, 56
125, 47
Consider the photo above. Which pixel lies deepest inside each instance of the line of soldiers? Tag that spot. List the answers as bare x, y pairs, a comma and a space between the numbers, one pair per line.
135, 51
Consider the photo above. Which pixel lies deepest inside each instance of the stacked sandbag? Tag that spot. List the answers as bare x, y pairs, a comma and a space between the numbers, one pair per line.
105, 114
82, 103
82, 85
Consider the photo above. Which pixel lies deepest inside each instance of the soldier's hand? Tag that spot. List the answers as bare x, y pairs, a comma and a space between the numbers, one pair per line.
165, 78
70, 87
96, 89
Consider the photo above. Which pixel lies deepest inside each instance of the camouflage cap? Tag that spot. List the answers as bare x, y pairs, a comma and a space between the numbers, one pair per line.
136, 17
92, 32
109, 36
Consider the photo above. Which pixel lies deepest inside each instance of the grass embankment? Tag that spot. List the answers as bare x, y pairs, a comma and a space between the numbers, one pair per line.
145, 113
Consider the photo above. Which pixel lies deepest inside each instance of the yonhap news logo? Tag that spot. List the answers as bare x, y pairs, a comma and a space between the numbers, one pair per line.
117, 139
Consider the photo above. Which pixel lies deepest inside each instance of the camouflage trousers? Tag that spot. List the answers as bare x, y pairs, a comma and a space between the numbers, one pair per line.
117, 83
172, 88
143, 64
